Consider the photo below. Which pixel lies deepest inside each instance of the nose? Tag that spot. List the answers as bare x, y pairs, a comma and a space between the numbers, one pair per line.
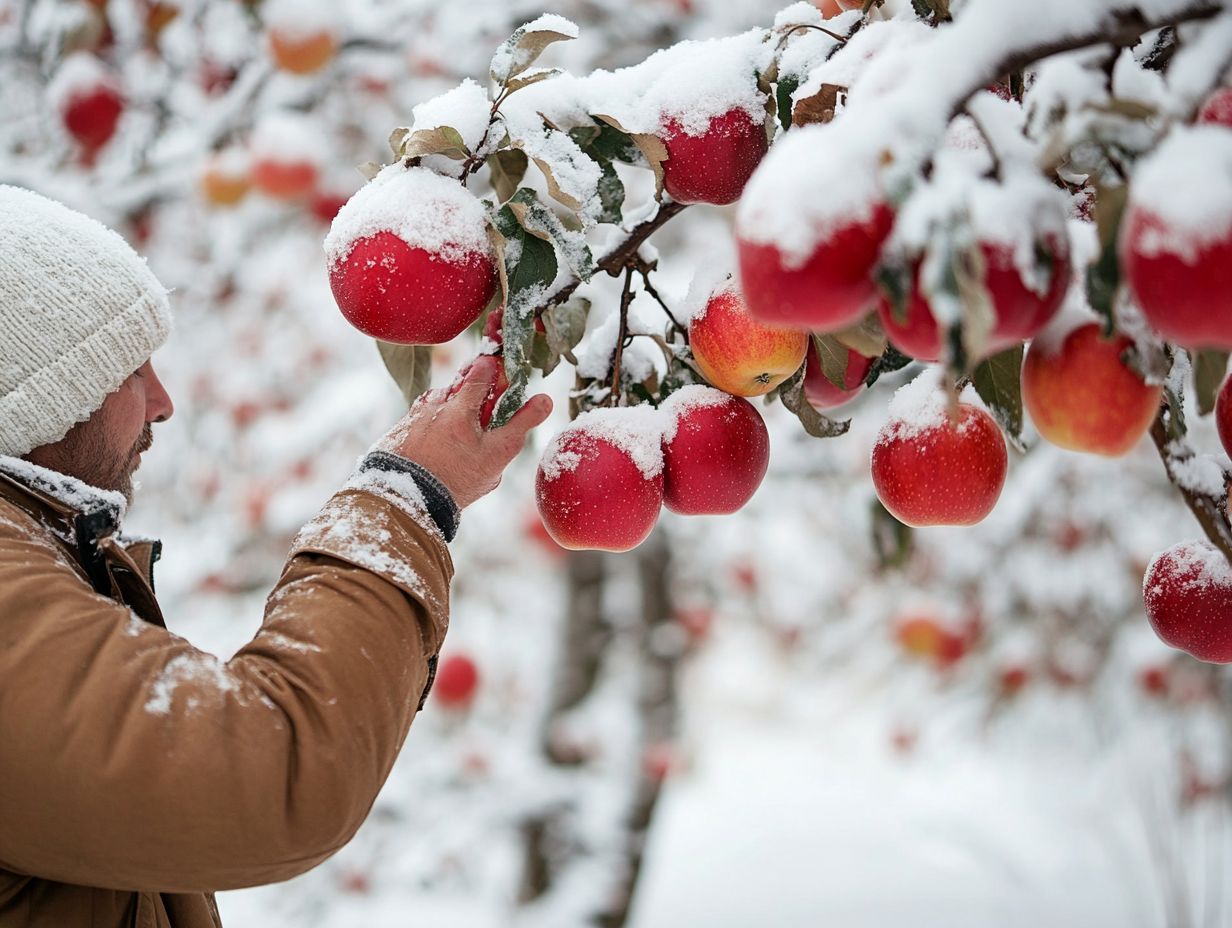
158, 405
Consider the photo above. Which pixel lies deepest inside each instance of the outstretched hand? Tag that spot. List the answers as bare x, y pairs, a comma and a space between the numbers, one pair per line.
443, 434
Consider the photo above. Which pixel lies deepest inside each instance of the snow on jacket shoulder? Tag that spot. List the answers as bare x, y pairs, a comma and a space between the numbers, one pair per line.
138, 774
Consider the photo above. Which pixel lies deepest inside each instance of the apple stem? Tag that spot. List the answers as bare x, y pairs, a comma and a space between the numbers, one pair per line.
626, 297
1208, 510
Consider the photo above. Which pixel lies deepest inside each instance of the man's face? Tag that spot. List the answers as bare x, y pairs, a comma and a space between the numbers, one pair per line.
105, 450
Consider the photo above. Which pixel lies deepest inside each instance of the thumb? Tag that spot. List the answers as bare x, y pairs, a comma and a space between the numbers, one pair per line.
476, 381
534, 412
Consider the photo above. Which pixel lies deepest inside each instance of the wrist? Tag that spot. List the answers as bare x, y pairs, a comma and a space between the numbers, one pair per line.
438, 500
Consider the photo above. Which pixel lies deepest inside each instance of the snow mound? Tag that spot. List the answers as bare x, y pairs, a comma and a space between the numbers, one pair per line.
686, 400
465, 108
1187, 183
920, 407
635, 430
1197, 565
424, 209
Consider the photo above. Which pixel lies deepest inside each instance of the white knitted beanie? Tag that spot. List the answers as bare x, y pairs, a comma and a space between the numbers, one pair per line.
79, 312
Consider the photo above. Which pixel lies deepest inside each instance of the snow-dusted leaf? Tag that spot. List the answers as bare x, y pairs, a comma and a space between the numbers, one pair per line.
565, 324
651, 147
791, 394
409, 365
819, 108
506, 168
998, 381
439, 140
524, 47
1209, 367
544, 224
554, 188
532, 77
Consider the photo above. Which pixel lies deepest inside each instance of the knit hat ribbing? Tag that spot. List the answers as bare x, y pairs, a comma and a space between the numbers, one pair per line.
79, 312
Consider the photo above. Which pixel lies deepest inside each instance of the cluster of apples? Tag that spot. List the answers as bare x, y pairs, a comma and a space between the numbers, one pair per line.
603, 480
229, 175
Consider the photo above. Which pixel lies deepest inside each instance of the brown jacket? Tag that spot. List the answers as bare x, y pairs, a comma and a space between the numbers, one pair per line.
138, 775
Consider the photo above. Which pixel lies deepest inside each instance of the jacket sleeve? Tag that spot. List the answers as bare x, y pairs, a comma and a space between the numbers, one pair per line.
131, 760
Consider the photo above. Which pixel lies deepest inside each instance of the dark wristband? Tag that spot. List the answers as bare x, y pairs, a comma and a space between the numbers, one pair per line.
439, 501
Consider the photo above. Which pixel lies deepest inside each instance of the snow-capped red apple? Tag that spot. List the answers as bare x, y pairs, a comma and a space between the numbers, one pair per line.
600, 481
1082, 395
1223, 415
821, 393
1188, 595
709, 160
88, 99
302, 35
1020, 310
227, 178
715, 451
929, 470
739, 354
807, 254
1176, 238
1217, 108
285, 157
457, 680
409, 257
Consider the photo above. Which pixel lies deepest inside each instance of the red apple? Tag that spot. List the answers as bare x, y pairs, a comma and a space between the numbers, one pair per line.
830, 290
1081, 395
712, 165
823, 394
1223, 415
1154, 680
1020, 312
1011, 679
928, 470
1218, 108
89, 101
326, 204
1175, 243
715, 453
600, 481
457, 679
924, 636
1188, 595
737, 353
409, 257
227, 178
284, 179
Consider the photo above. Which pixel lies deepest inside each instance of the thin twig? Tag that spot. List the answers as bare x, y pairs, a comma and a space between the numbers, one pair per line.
654, 295
626, 297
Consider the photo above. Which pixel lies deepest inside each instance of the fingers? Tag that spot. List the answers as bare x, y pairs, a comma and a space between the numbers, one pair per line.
534, 412
477, 381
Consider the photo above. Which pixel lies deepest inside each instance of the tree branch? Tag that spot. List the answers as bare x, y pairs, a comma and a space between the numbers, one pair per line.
626, 297
1210, 511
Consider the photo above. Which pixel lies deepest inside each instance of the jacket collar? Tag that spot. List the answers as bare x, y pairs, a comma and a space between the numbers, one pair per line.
66, 499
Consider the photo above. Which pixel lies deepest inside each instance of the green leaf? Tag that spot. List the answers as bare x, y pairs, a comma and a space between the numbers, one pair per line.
782, 96
998, 381
611, 194
833, 357
507, 167
1209, 367
892, 540
791, 395
409, 365
1104, 276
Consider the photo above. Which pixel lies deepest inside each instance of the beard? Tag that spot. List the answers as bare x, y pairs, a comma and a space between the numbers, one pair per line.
96, 464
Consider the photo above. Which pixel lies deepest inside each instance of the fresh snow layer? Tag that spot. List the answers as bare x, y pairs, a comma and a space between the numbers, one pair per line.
509, 59
300, 20
708, 281
920, 406
1197, 564
686, 400
1187, 183
465, 108
424, 209
635, 430
79, 74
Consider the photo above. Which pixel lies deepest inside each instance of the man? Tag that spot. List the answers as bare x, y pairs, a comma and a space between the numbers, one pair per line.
139, 775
